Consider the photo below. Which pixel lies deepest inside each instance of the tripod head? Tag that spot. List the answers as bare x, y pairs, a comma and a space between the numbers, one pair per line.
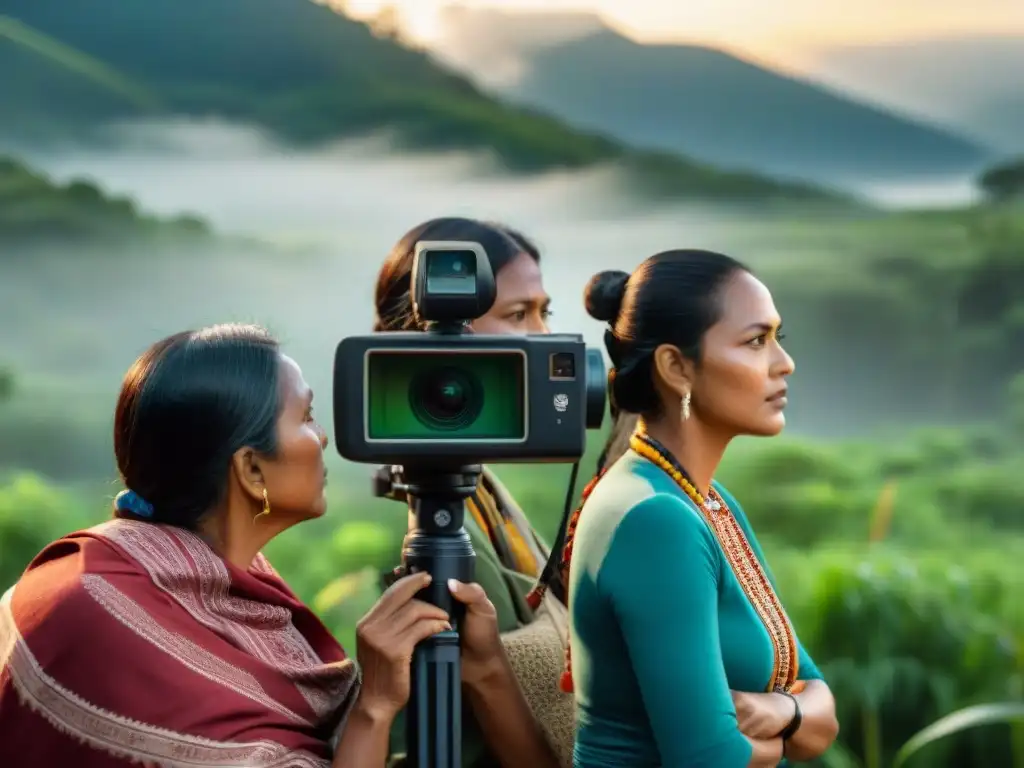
439, 543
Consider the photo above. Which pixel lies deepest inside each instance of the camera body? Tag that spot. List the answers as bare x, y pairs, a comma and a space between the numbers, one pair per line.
439, 404
449, 397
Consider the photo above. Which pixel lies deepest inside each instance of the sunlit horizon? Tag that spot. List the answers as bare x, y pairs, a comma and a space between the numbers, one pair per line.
803, 27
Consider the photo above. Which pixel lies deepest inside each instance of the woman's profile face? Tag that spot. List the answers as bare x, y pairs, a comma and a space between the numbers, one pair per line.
522, 305
296, 477
740, 385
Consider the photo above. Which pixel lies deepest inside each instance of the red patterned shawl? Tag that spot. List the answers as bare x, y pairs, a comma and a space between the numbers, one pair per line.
134, 643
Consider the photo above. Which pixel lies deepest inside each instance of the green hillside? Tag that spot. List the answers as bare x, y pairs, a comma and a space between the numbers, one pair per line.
34, 209
306, 73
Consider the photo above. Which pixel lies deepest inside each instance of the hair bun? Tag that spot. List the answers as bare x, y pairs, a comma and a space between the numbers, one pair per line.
603, 294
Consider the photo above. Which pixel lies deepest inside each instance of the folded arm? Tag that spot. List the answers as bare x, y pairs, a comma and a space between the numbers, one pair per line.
765, 715
819, 726
661, 574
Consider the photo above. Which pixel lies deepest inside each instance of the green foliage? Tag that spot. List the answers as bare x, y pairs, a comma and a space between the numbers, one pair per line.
33, 209
345, 600
957, 722
32, 514
1004, 182
309, 74
805, 493
906, 636
883, 294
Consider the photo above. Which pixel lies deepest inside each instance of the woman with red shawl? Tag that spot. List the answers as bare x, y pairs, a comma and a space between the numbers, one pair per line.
164, 638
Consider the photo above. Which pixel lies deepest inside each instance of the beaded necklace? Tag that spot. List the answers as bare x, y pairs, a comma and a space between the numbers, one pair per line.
741, 558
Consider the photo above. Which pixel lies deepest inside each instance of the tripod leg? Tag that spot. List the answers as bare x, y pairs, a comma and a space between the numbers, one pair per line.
434, 724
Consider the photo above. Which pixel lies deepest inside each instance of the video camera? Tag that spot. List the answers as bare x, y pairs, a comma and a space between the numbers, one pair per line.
449, 396
439, 404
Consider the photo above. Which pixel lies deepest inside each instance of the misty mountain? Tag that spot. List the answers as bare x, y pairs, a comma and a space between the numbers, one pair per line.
306, 73
702, 102
971, 83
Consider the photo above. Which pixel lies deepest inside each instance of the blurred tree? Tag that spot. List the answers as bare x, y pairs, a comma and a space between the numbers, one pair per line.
1004, 182
6, 384
85, 192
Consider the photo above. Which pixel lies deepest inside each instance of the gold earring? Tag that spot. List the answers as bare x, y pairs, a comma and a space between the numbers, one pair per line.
266, 508
684, 407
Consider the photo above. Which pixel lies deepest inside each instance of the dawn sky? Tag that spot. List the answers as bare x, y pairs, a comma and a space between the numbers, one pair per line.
759, 26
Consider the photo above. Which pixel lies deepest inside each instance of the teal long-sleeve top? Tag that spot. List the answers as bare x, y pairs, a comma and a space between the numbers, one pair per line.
661, 629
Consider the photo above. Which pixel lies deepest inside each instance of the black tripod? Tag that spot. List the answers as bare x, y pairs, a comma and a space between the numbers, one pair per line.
440, 546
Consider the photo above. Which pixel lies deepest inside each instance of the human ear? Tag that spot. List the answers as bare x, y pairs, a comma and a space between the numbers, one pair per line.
674, 369
245, 464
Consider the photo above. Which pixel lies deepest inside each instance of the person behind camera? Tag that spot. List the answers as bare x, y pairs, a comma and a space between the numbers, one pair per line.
682, 653
163, 636
509, 553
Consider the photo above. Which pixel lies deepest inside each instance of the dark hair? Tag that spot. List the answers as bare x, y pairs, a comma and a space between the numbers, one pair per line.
393, 296
672, 298
186, 405
526, 245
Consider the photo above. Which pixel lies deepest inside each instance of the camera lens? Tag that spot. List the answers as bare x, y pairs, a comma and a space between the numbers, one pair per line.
446, 398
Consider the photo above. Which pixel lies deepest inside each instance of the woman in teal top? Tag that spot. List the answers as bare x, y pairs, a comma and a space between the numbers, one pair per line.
681, 653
